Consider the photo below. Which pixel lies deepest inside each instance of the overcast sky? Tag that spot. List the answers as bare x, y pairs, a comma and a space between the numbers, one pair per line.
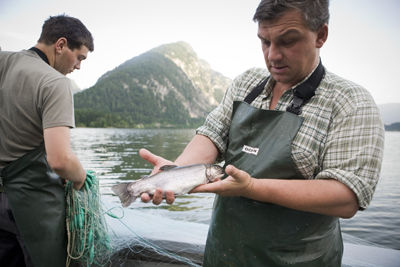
363, 43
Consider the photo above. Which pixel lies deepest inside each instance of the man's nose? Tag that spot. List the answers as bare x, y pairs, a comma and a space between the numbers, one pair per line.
274, 53
77, 65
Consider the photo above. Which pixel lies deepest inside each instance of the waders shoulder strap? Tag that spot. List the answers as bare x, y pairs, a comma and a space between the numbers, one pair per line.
302, 93
256, 91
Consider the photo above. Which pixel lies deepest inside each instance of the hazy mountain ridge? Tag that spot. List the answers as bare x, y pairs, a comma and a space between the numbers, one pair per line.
390, 112
168, 86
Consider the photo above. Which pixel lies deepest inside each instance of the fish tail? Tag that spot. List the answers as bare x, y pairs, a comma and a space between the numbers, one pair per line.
121, 190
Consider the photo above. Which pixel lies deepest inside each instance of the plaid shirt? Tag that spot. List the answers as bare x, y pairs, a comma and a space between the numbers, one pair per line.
341, 138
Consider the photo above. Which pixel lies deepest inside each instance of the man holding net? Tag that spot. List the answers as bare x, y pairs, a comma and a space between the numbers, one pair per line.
36, 114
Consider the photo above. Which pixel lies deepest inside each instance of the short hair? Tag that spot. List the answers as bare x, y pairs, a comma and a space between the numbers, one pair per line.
71, 28
315, 12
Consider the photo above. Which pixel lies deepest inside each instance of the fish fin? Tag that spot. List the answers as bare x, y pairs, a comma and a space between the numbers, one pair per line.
167, 167
121, 190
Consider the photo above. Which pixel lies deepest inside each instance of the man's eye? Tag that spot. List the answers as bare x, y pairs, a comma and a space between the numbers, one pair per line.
266, 43
288, 42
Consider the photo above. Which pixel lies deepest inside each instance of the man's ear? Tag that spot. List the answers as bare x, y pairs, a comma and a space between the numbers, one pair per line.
322, 36
60, 44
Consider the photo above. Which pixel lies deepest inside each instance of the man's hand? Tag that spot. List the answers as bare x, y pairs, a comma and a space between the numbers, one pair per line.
61, 157
157, 162
78, 185
238, 183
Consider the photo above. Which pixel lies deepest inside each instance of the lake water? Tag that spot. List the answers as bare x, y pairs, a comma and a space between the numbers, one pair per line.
113, 155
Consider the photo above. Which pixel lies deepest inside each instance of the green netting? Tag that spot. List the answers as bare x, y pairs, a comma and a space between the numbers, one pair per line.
89, 242
88, 239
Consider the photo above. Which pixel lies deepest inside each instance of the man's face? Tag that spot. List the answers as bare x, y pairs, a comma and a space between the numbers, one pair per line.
68, 60
290, 48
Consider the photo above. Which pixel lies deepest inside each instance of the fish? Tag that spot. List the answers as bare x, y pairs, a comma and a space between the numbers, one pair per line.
178, 179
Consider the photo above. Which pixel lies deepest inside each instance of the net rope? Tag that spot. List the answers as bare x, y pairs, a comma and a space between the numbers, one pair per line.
89, 241
87, 232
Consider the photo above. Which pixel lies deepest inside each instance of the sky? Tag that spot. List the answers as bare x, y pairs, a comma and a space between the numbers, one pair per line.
363, 43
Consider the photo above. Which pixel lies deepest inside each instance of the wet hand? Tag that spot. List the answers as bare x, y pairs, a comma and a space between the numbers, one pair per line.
158, 197
78, 185
155, 160
238, 183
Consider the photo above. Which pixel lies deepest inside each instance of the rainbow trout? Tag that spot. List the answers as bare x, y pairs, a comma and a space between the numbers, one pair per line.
179, 180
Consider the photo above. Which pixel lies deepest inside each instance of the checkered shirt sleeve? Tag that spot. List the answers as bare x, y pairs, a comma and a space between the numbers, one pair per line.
341, 137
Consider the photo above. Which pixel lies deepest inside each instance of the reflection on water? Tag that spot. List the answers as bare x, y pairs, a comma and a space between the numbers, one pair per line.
113, 155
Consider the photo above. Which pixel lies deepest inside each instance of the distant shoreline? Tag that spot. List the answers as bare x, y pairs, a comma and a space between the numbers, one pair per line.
393, 127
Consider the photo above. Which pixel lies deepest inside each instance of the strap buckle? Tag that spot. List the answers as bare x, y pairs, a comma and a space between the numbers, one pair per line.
295, 105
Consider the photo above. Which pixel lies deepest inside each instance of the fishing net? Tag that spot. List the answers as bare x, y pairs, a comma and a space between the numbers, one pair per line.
140, 251
89, 241
88, 238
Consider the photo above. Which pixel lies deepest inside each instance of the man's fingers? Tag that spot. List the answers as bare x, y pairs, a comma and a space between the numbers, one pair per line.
151, 158
214, 187
232, 171
157, 197
155, 160
145, 197
169, 197
198, 189
147, 155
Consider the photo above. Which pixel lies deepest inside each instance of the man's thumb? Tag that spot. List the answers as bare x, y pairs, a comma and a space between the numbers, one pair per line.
147, 155
231, 170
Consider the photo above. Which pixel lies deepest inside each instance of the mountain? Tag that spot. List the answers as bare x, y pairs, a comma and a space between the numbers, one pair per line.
393, 127
390, 112
168, 86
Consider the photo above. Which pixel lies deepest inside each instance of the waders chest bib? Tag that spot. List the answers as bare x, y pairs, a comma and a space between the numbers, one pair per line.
37, 199
245, 232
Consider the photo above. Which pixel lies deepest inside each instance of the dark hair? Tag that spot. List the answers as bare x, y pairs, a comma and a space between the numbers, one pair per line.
65, 26
315, 12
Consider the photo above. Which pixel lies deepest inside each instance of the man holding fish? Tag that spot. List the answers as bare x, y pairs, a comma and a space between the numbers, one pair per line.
302, 147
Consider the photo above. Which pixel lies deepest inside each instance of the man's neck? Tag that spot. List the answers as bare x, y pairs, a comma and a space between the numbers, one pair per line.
48, 50
40, 54
277, 92
280, 88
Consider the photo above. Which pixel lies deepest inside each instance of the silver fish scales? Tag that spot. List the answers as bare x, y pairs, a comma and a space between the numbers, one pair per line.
180, 180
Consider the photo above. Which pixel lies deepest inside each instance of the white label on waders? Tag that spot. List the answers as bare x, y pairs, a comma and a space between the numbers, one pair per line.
250, 150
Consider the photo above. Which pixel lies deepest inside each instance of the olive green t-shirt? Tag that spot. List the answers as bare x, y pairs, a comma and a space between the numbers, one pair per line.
33, 96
